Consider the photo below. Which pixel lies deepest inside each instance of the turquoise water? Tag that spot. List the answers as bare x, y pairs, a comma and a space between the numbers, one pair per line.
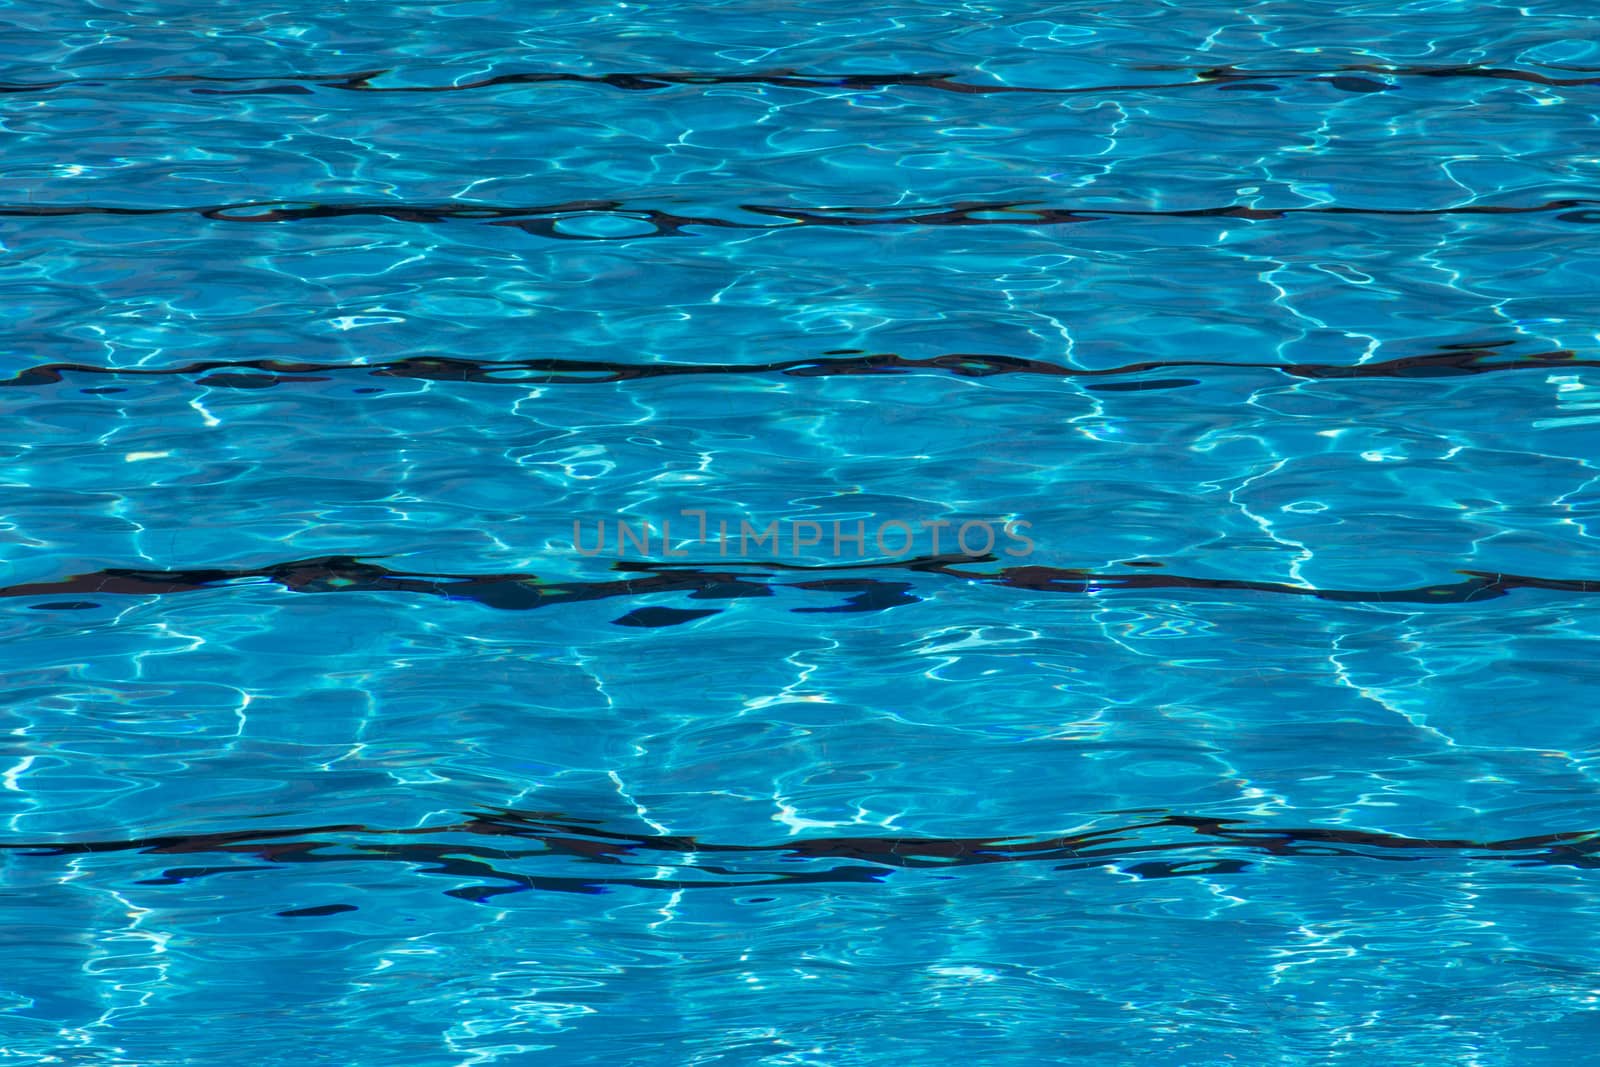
1243, 714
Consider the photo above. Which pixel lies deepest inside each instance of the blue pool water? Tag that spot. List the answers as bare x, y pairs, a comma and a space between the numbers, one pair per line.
1251, 349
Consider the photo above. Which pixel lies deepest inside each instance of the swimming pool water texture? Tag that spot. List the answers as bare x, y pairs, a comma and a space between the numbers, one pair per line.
469, 488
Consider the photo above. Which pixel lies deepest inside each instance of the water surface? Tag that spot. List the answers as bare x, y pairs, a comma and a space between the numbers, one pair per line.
322, 742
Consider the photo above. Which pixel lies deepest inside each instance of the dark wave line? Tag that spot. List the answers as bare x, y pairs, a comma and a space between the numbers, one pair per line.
1451, 362
1589, 75
1225, 76
545, 220
361, 82
783, 79
742, 580
1162, 846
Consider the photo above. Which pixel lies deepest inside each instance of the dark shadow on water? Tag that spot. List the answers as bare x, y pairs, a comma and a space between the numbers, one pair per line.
1160, 846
